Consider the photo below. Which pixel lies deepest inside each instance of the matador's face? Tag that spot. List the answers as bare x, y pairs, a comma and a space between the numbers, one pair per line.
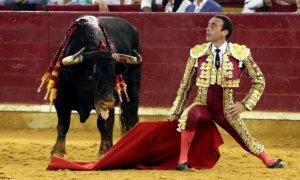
214, 32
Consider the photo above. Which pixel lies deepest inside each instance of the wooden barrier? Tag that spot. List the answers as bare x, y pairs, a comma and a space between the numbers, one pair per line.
28, 42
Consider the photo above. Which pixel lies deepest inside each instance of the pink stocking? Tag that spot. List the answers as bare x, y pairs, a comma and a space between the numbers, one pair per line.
186, 139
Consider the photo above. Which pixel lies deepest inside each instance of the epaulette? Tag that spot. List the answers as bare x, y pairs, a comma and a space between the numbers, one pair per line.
240, 52
199, 50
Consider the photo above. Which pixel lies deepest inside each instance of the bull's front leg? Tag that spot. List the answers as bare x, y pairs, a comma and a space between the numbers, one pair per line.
62, 130
106, 132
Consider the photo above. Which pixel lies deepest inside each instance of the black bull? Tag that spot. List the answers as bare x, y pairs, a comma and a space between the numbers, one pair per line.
88, 79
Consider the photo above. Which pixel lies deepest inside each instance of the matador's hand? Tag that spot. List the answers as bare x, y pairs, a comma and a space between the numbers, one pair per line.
237, 109
173, 117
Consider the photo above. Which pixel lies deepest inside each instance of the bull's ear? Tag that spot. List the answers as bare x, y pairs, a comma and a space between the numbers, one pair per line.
73, 59
127, 59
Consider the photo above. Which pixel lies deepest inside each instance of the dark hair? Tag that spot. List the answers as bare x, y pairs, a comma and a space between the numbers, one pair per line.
227, 24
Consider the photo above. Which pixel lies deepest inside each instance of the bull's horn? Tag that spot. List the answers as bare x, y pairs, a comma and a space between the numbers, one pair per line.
73, 59
127, 59
139, 56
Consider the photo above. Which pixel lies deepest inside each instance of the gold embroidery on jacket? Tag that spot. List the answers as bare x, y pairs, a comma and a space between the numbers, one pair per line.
184, 90
227, 67
240, 52
183, 118
205, 67
210, 75
258, 83
231, 83
201, 97
199, 50
219, 76
213, 75
223, 76
227, 72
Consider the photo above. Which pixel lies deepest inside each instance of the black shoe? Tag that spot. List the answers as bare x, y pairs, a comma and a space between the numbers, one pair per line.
182, 167
278, 164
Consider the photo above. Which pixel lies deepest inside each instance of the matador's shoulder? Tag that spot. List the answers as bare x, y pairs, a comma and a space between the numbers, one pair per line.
240, 52
199, 50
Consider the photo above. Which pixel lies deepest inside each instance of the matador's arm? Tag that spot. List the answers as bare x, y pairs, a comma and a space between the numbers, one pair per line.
258, 83
184, 91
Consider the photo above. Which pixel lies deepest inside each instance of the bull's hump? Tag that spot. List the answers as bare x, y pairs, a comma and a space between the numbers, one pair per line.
90, 20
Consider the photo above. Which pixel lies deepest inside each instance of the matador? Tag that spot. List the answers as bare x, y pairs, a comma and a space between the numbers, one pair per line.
216, 68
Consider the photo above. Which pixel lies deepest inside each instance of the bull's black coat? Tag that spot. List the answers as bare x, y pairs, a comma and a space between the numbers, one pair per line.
81, 85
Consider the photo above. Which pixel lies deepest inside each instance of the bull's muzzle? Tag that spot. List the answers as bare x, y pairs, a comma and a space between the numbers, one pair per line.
102, 108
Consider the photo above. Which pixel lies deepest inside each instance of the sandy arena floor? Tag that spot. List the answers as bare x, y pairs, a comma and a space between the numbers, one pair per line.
24, 154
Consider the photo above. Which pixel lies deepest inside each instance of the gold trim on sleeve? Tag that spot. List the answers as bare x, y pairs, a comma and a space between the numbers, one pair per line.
258, 83
184, 91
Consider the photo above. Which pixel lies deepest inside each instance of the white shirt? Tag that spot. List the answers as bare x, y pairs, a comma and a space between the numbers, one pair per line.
184, 4
181, 9
222, 48
251, 5
148, 3
199, 7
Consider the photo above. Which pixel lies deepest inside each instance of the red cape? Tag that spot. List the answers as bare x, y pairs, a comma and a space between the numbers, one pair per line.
153, 145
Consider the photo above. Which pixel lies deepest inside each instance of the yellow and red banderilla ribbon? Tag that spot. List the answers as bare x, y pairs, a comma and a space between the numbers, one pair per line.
121, 86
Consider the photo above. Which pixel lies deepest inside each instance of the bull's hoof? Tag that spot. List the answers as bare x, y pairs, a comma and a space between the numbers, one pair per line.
57, 153
59, 149
104, 147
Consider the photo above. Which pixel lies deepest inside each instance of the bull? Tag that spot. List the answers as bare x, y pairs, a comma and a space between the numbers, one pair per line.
97, 66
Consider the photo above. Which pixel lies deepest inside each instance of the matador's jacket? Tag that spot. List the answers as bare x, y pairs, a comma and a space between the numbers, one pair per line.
200, 70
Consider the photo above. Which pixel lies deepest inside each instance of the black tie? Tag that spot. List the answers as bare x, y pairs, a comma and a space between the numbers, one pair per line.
217, 62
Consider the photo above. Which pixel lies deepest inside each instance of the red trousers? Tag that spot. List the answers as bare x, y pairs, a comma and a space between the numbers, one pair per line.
212, 112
